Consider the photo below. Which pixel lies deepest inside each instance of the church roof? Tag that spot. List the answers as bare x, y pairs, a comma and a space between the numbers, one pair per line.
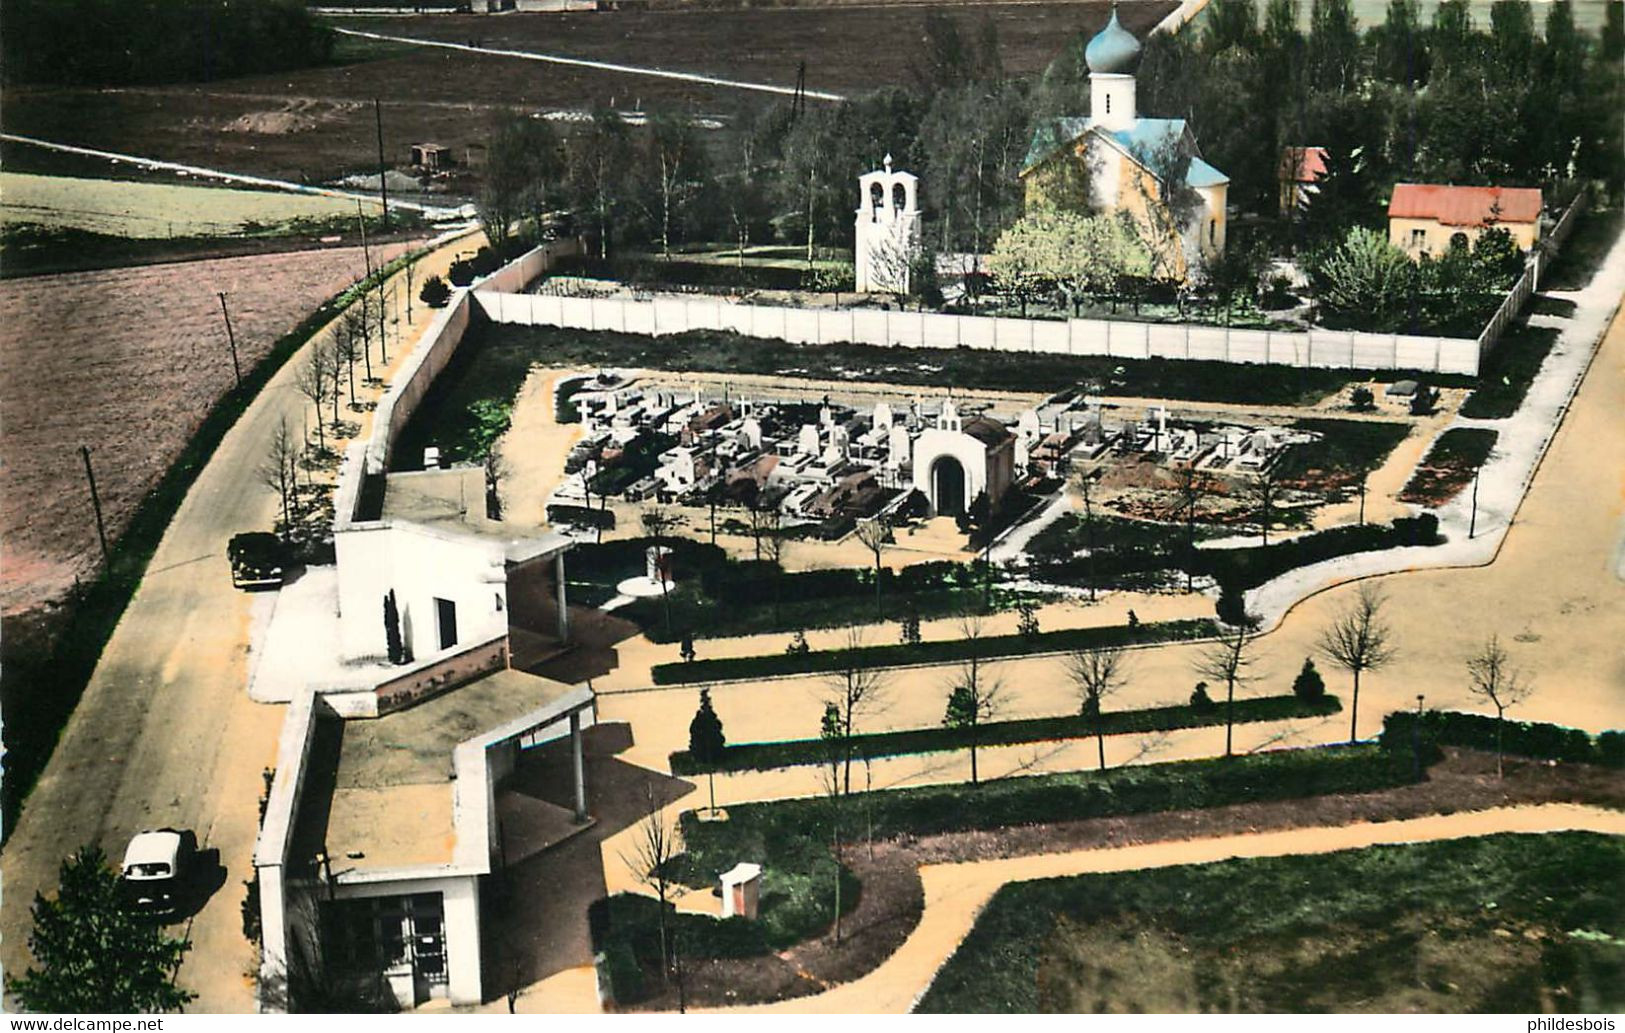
1113, 51
1141, 141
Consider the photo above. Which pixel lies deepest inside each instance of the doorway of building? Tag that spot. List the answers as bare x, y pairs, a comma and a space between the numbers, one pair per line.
948, 487
445, 614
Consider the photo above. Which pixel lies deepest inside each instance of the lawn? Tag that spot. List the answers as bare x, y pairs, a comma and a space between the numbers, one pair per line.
1450, 465
1345, 451
140, 209
704, 351
1507, 923
1510, 368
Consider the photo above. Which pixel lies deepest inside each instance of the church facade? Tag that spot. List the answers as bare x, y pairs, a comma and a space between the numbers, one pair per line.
1115, 161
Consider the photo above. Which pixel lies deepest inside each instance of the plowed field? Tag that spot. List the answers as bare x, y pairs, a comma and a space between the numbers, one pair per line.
126, 362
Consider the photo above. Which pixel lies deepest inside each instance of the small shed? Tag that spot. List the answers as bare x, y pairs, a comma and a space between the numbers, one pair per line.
741, 890
428, 156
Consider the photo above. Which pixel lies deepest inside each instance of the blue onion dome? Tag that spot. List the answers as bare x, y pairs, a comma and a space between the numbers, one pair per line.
1114, 50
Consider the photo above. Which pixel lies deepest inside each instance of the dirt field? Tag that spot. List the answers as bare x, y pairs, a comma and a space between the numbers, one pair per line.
126, 362
311, 125
152, 209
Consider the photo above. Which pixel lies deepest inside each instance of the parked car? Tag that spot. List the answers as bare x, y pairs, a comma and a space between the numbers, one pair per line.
256, 558
155, 867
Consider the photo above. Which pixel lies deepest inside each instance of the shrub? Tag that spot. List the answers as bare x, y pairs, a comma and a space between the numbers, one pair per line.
1036, 799
622, 973
1308, 685
1200, 700
1611, 749
1477, 732
1362, 399
435, 293
462, 272
485, 262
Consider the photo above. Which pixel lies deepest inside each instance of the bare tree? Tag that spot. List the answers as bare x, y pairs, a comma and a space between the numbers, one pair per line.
857, 690
277, 471
1086, 480
974, 695
1097, 673
774, 543
346, 350
1230, 660
829, 781
314, 382
874, 534
1359, 641
354, 325
1265, 491
1191, 487
657, 842
335, 373
657, 523
1500, 683
764, 522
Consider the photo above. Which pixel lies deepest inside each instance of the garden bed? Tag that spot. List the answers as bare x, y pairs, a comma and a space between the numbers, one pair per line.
988, 647
1450, 465
764, 756
507, 350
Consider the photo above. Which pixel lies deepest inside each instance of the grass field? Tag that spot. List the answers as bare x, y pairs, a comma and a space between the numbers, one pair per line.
1508, 923
153, 210
313, 124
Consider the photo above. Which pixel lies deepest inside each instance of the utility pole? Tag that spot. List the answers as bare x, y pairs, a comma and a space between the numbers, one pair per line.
383, 186
96, 504
366, 255
1472, 521
231, 339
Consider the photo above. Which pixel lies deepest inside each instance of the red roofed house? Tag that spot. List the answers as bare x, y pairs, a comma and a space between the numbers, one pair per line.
1426, 218
1301, 168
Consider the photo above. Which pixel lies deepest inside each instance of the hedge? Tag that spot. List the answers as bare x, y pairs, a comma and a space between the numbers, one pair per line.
767, 755
1520, 738
1073, 796
948, 651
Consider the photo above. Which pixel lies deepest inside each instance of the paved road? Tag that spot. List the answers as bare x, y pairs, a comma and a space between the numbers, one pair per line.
165, 733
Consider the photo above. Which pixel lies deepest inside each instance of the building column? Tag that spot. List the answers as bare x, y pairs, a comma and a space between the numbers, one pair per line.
564, 610
460, 903
575, 757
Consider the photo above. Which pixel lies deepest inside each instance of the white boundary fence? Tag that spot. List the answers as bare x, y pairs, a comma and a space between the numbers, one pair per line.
500, 299
1329, 349
1529, 282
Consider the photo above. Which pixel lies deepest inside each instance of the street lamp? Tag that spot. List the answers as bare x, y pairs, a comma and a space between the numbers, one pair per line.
1416, 737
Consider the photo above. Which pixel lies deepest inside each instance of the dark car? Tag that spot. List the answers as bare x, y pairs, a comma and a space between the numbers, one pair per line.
257, 558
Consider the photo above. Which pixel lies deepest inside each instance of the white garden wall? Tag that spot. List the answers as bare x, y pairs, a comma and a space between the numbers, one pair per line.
1325, 349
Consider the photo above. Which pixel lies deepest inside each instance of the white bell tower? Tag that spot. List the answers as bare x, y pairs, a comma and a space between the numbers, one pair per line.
888, 229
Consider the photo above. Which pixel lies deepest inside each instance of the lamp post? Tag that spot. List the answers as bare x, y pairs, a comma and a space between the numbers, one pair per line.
1416, 737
